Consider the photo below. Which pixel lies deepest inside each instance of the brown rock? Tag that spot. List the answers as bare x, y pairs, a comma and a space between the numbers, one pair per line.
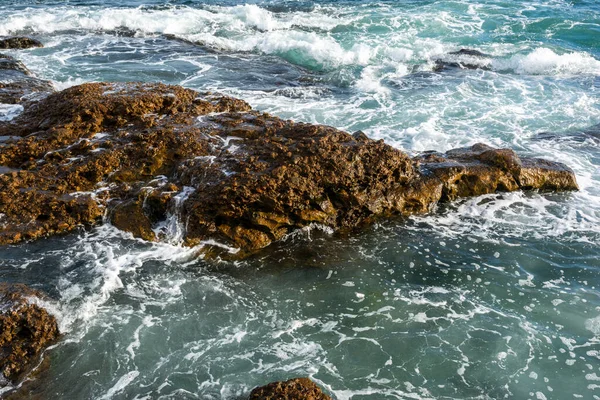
25, 331
228, 173
294, 389
481, 169
129, 216
19, 42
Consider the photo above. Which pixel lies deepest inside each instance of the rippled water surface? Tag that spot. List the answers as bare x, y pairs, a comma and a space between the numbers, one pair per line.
487, 298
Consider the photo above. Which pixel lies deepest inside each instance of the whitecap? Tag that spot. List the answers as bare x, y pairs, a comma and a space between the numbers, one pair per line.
544, 61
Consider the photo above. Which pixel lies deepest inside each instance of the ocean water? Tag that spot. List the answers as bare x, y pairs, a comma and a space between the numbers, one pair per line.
487, 298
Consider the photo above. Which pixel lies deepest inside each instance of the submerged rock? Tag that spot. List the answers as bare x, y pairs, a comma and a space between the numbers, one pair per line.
463, 59
591, 134
19, 42
147, 154
469, 52
294, 389
26, 330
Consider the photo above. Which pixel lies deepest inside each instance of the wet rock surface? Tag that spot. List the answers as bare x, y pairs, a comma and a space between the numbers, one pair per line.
10, 63
17, 83
19, 42
144, 156
591, 134
293, 389
26, 329
463, 59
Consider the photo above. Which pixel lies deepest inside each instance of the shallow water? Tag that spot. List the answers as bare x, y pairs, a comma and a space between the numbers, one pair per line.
491, 297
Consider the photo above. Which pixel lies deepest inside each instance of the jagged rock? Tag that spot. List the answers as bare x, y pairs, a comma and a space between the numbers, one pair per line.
143, 153
481, 169
10, 63
294, 389
57, 154
463, 59
19, 42
26, 329
17, 85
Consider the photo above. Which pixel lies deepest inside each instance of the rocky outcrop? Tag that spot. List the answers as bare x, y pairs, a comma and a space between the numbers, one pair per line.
25, 331
17, 83
19, 42
143, 154
294, 389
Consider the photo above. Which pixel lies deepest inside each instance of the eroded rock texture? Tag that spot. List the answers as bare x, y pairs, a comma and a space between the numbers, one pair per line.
143, 154
294, 389
25, 331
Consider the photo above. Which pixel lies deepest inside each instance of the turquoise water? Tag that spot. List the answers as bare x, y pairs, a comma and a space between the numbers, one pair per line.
488, 298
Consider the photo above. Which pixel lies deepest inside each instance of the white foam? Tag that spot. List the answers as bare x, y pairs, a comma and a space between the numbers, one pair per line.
173, 229
249, 28
105, 261
8, 112
370, 82
174, 20
544, 61
121, 384
307, 48
147, 321
593, 325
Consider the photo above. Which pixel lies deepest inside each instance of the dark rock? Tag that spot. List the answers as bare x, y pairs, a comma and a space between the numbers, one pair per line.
26, 330
17, 85
19, 42
9, 63
589, 134
294, 389
148, 152
360, 136
469, 52
463, 59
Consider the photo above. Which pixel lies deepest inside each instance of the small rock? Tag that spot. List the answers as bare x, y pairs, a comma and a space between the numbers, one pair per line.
294, 389
19, 42
463, 59
26, 330
129, 216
